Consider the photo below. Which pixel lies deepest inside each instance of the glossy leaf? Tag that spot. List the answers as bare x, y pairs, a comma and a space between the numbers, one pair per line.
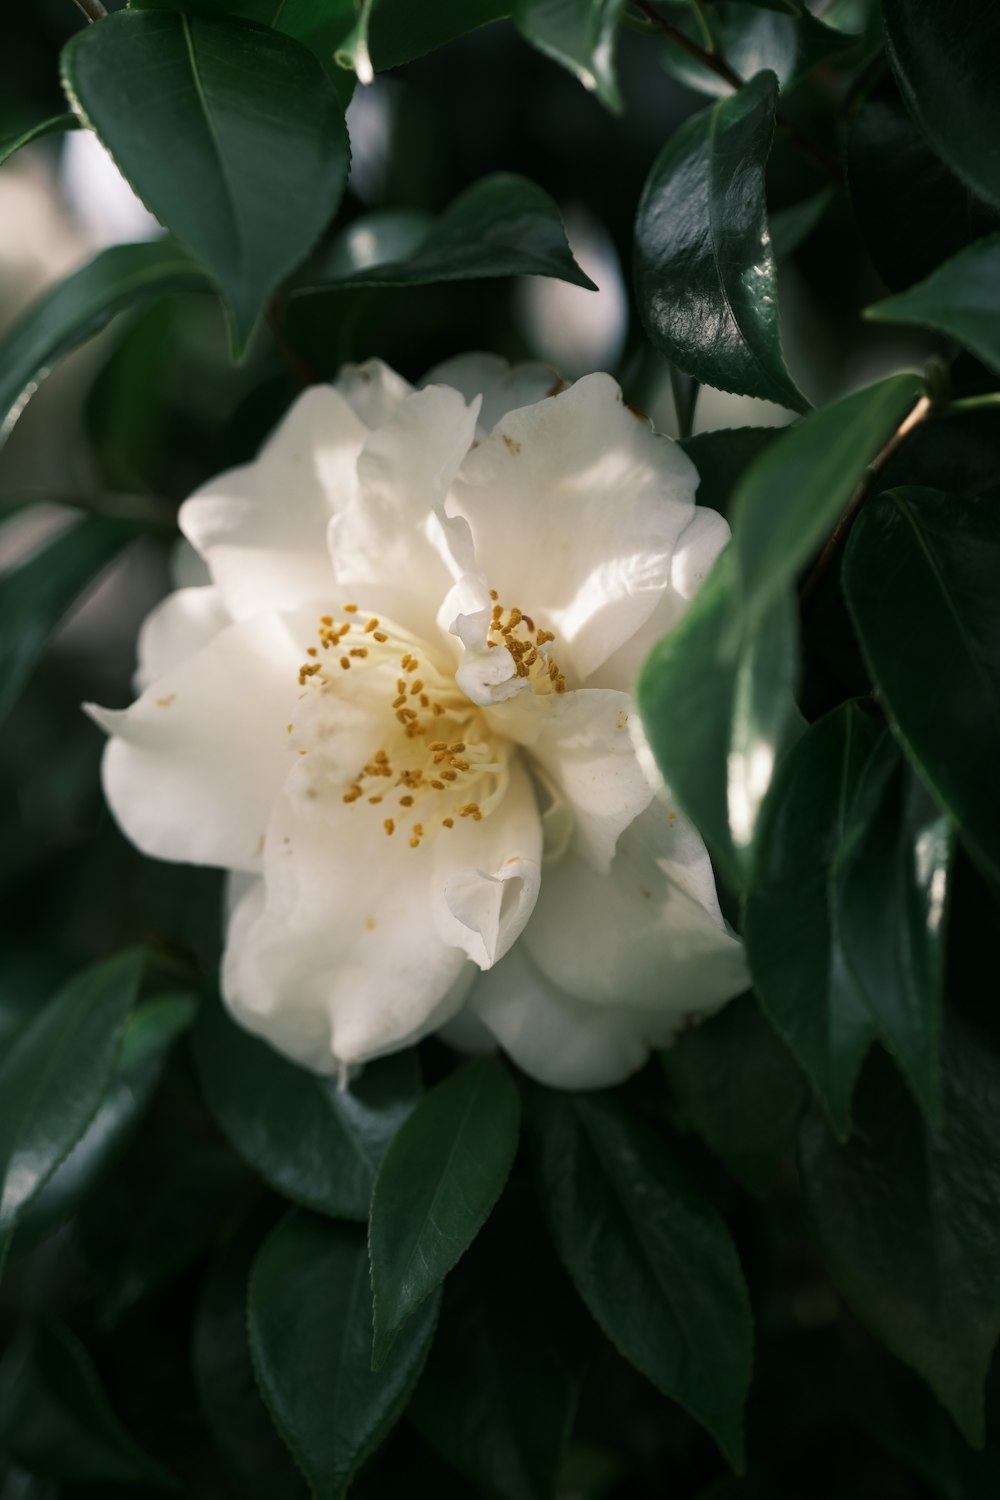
907, 1216
891, 892
437, 1184
220, 1352
258, 151
651, 1258
791, 498
722, 457
310, 1139
504, 225
53, 126
150, 1033
310, 1322
733, 695
55, 1074
704, 269
920, 578
35, 594
961, 298
578, 34
946, 59
753, 38
65, 317
738, 1087
792, 941
56, 1420
912, 211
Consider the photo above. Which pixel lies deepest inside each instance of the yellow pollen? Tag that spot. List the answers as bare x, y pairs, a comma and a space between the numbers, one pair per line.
372, 625
460, 765
424, 701
344, 629
382, 757
359, 651
515, 619
494, 594
438, 786
543, 636
311, 651
389, 825
448, 822
289, 728
377, 798
345, 662
457, 747
380, 635
418, 829
438, 745
416, 687
449, 775
326, 619
406, 801
353, 795
436, 710
350, 609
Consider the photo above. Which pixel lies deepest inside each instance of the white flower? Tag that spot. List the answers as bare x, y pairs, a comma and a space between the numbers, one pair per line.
400, 715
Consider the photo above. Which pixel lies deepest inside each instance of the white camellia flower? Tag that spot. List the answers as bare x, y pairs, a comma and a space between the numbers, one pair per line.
399, 714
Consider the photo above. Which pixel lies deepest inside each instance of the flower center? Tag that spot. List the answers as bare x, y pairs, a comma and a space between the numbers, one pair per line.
438, 759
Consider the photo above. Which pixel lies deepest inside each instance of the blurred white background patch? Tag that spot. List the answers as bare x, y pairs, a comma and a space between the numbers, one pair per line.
98, 197
575, 330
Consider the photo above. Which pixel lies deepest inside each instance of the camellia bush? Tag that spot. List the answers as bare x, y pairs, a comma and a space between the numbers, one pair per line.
500, 609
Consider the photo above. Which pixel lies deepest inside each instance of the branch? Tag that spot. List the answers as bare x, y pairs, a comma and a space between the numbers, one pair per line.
718, 65
816, 576
92, 9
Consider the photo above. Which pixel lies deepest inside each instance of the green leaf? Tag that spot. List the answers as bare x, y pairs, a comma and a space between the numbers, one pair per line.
907, 1217
310, 1322
732, 693
912, 212
497, 1397
150, 1032
578, 34
793, 945
56, 1420
73, 311
504, 225
649, 1256
752, 38
722, 457
704, 269
437, 1184
891, 890
39, 591
310, 1139
791, 498
920, 578
961, 298
400, 31
55, 1074
740, 1090
946, 59
258, 151
227, 1392
53, 126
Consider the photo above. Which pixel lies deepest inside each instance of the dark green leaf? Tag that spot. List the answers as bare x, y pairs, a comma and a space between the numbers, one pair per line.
438, 1181
58, 123
722, 456
946, 59
150, 1032
891, 891
649, 1256
72, 312
791, 498
37, 593
55, 1418
55, 1074
579, 34
504, 225
733, 695
752, 38
258, 151
920, 575
400, 30
220, 1352
899, 1413
310, 1322
792, 226
793, 946
960, 298
704, 269
912, 212
315, 1142
739, 1088
907, 1220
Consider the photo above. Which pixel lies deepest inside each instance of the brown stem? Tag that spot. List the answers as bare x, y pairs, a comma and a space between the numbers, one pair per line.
817, 574
92, 9
718, 65
297, 367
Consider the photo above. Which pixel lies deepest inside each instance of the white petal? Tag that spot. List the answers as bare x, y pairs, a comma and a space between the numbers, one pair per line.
372, 390
587, 752
262, 528
196, 763
575, 506
649, 935
341, 960
387, 545
551, 1035
180, 625
486, 875
698, 546
502, 386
